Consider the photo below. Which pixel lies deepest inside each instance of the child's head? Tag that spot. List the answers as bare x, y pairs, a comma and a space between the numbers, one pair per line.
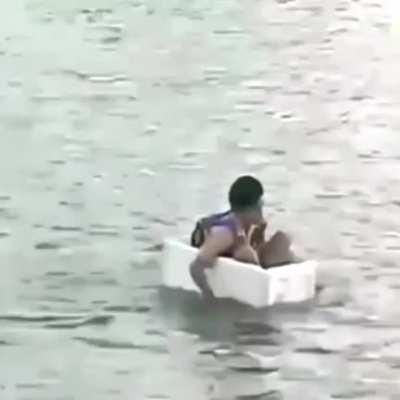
245, 198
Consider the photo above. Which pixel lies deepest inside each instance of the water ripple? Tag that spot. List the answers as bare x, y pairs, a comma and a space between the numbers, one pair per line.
108, 344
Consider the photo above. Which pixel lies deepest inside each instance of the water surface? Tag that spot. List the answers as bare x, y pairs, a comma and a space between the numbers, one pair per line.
121, 121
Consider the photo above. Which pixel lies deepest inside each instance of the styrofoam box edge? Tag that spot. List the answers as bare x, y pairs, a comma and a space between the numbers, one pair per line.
246, 283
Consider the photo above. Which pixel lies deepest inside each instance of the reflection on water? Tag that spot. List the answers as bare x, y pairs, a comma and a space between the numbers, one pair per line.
123, 121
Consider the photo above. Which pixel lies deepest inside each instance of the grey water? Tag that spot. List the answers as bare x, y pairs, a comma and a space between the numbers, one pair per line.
121, 121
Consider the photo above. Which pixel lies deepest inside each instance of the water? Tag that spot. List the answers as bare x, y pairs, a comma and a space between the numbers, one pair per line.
121, 121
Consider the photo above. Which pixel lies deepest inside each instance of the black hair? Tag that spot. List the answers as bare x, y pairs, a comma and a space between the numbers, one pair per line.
245, 192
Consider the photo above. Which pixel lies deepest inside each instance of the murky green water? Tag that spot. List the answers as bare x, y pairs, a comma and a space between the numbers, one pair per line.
121, 121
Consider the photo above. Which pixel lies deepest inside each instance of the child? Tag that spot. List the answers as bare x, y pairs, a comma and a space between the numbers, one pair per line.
238, 233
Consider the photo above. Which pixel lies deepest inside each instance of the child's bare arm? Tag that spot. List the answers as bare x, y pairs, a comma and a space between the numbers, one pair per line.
216, 243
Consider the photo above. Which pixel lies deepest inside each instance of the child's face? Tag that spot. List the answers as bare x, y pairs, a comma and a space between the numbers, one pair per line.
255, 215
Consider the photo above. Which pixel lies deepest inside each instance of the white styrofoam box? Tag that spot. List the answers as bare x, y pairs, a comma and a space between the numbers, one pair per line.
246, 283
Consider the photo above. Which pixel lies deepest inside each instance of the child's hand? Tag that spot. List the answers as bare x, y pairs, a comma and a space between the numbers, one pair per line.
256, 235
248, 245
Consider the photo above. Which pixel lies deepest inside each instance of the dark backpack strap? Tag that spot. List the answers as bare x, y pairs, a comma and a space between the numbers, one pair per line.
198, 235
